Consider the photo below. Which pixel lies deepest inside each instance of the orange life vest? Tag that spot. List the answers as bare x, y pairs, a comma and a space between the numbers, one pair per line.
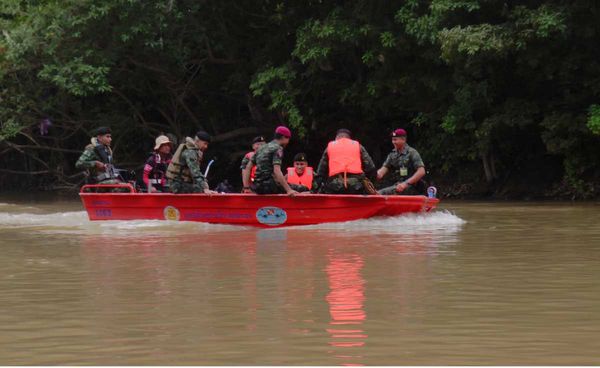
344, 157
306, 179
253, 171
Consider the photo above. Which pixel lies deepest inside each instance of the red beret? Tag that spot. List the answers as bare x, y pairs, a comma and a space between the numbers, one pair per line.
284, 131
399, 133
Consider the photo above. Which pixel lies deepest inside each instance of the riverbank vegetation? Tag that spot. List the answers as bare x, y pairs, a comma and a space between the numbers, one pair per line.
501, 98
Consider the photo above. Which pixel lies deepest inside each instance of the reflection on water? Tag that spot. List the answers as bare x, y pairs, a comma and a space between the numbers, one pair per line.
507, 286
346, 300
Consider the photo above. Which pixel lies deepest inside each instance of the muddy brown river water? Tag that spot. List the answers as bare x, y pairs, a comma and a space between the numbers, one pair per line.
472, 283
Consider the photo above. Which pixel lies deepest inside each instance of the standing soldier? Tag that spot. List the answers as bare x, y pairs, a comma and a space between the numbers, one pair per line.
343, 166
183, 173
301, 174
269, 178
256, 144
407, 161
97, 159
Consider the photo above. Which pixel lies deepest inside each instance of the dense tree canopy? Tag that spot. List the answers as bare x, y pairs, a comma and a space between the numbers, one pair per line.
499, 97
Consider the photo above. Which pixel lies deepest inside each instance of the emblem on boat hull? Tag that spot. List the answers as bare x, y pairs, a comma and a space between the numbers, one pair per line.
271, 216
171, 213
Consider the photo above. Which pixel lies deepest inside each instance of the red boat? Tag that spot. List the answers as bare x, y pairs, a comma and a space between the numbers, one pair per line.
245, 209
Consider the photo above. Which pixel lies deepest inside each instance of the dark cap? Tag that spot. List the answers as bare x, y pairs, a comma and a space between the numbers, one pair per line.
203, 136
343, 131
300, 157
258, 139
399, 133
102, 131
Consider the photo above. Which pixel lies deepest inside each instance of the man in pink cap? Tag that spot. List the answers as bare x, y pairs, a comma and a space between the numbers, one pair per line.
406, 162
268, 178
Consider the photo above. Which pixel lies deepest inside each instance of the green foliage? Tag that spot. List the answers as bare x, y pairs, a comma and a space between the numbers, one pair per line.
316, 39
473, 40
593, 122
543, 22
9, 129
77, 77
387, 39
264, 79
481, 85
278, 83
425, 22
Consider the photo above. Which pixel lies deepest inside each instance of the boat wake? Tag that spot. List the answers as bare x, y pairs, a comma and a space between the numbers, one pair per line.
431, 220
408, 224
78, 222
61, 219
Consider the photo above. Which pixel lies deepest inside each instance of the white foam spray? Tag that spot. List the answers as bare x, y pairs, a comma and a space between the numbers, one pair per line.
77, 223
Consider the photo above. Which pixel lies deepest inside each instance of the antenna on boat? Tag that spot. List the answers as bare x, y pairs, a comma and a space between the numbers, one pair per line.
208, 167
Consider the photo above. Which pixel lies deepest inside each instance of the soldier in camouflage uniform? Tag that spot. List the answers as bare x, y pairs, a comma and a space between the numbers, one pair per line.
183, 173
268, 178
257, 142
406, 162
97, 159
344, 183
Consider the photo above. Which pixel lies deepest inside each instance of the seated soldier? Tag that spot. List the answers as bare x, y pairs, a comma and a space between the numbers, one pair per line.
407, 162
344, 166
257, 142
301, 174
269, 178
97, 159
183, 173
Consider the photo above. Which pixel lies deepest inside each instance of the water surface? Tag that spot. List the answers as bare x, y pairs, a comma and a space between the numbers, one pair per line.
472, 283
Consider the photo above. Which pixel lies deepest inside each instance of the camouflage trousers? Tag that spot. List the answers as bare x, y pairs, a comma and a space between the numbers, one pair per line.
111, 190
336, 185
391, 190
271, 187
181, 187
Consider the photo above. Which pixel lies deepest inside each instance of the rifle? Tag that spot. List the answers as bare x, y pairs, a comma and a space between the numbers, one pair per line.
369, 187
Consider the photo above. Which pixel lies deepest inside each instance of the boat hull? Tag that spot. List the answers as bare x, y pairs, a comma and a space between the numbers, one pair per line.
248, 209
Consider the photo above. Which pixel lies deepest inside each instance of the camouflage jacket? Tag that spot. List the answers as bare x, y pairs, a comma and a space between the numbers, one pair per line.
265, 159
190, 160
245, 161
403, 164
87, 160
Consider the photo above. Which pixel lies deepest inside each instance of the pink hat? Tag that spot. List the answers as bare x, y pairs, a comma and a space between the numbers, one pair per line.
399, 133
284, 131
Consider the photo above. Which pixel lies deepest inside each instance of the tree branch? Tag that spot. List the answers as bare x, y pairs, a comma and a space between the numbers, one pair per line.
235, 133
26, 172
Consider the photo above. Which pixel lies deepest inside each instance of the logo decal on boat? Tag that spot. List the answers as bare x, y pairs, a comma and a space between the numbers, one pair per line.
271, 216
171, 213
105, 212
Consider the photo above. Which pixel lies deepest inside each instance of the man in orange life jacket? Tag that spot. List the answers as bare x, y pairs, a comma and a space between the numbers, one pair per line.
343, 166
257, 142
301, 174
